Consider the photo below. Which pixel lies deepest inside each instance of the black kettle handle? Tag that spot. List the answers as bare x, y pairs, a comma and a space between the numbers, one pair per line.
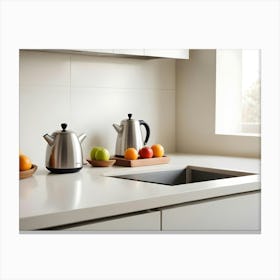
147, 130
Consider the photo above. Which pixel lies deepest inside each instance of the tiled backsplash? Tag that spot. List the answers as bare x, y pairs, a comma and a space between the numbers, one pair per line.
90, 94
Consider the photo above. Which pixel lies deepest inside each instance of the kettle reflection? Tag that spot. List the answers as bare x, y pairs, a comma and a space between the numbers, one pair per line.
66, 195
27, 187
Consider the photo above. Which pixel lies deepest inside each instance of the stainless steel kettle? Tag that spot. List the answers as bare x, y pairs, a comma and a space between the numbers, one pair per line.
64, 151
130, 135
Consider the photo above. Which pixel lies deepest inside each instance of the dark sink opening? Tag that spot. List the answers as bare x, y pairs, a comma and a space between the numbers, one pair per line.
181, 176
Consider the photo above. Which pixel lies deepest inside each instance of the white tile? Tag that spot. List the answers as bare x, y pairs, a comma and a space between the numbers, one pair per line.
104, 72
93, 111
122, 73
43, 68
166, 124
42, 110
158, 110
102, 92
160, 74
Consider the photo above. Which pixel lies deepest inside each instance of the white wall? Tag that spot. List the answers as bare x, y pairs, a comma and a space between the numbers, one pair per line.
90, 94
195, 111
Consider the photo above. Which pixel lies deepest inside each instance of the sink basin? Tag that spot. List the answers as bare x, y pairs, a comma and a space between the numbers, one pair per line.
190, 174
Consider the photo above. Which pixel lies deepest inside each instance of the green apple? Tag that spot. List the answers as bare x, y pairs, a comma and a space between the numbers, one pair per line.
93, 152
102, 154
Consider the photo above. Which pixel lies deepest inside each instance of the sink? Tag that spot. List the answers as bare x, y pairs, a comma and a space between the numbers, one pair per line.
190, 174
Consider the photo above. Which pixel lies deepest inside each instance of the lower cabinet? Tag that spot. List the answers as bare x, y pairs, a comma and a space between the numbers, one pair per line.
234, 213
230, 213
138, 222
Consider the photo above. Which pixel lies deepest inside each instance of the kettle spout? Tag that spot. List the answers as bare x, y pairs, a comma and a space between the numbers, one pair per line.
118, 128
49, 139
82, 137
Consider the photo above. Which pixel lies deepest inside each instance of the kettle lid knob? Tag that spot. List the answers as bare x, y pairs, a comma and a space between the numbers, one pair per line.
63, 126
129, 116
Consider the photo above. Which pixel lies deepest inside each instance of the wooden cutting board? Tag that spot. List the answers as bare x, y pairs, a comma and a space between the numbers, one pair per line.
141, 162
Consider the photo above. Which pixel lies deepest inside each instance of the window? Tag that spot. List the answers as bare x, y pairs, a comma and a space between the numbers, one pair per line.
238, 88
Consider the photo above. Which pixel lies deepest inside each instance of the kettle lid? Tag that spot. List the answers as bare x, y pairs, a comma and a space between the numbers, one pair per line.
64, 130
63, 126
129, 118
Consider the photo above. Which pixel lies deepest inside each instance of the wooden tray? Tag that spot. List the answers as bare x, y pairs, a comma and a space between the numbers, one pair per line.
101, 163
28, 173
141, 162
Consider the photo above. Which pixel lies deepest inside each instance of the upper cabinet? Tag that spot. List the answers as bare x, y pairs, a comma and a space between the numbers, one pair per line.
168, 53
141, 53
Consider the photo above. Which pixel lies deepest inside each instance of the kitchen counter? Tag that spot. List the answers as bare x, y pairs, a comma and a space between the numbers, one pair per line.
48, 200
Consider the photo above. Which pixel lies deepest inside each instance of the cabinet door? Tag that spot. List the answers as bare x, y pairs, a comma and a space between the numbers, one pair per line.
138, 222
231, 213
130, 51
111, 51
168, 53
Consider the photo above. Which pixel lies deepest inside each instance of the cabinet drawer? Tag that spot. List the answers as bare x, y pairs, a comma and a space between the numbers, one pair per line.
237, 212
145, 222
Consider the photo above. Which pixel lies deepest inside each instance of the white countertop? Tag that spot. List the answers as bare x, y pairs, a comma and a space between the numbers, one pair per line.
48, 200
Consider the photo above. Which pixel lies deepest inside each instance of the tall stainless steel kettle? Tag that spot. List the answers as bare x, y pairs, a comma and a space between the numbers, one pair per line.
64, 151
130, 135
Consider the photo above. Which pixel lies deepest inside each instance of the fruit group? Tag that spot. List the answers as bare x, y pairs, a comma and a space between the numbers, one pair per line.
24, 163
93, 151
102, 154
158, 150
131, 154
146, 152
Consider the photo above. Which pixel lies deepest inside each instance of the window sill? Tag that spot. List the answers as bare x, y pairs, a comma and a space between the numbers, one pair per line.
239, 134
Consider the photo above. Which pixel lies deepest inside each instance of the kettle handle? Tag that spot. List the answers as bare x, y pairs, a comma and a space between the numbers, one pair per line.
147, 130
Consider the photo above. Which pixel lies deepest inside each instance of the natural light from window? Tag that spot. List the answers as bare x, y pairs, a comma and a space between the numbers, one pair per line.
238, 91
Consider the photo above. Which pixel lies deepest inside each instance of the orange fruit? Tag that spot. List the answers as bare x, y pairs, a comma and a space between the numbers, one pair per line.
24, 163
158, 150
131, 154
